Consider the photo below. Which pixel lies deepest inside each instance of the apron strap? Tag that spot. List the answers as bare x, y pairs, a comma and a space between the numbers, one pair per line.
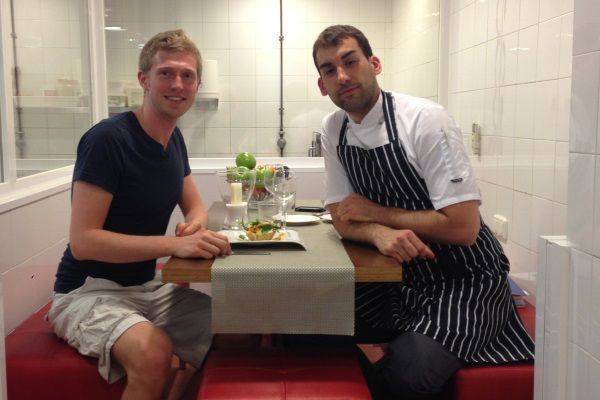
343, 141
389, 117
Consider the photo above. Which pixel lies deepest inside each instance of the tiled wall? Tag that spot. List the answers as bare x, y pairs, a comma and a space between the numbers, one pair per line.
243, 36
415, 48
584, 205
510, 72
32, 240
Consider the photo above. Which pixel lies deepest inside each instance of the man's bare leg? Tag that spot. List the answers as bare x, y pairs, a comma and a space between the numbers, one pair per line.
144, 351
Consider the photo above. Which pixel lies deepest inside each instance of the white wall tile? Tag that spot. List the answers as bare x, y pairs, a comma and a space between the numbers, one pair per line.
243, 88
521, 226
295, 114
215, 11
243, 139
244, 62
553, 8
295, 88
541, 218
195, 140
372, 11
243, 114
593, 385
510, 43
523, 165
219, 118
549, 49
506, 162
566, 46
267, 114
511, 16
564, 109
215, 35
480, 22
586, 27
593, 342
525, 108
319, 10
218, 140
585, 86
465, 27
347, 10
559, 219
596, 238
578, 378
546, 109
583, 316
242, 35
527, 54
581, 201
242, 11
529, 14
561, 172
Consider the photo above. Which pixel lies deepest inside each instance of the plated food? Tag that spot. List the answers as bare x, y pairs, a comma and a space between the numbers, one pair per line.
263, 230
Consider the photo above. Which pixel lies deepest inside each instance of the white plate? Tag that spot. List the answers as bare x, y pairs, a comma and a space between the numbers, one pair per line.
326, 218
297, 219
239, 237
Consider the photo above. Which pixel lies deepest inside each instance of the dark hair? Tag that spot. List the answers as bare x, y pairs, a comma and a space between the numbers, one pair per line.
175, 40
333, 35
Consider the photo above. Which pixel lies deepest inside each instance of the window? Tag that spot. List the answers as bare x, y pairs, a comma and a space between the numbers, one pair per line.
47, 55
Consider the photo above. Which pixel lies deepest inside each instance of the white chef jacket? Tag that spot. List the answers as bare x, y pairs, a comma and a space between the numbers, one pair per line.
430, 137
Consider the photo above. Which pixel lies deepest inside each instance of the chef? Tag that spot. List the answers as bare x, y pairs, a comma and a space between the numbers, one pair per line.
398, 177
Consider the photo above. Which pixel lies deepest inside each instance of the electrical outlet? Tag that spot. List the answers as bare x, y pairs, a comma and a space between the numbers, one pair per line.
500, 227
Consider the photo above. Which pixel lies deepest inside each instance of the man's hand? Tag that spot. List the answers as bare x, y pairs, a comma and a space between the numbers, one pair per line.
356, 208
187, 228
204, 244
401, 244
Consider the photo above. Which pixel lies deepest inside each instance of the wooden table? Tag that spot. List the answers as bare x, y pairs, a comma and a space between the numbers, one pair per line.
369, 264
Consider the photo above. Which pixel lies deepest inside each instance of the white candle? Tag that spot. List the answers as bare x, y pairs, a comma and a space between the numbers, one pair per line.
236, 192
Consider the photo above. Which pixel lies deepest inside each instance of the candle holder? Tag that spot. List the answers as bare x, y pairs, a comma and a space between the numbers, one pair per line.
236, 185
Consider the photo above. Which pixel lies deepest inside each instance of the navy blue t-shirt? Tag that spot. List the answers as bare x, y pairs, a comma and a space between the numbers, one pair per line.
146, 182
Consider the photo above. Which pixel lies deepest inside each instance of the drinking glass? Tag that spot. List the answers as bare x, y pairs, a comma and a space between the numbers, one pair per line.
236, 185
282, 185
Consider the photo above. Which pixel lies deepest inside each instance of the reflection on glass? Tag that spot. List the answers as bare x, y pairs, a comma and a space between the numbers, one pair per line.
244, 40
51, 87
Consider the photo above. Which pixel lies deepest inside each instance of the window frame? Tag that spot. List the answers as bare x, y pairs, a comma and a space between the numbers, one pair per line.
17, 191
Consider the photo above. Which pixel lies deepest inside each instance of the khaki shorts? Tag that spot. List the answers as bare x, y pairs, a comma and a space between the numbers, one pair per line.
92, 317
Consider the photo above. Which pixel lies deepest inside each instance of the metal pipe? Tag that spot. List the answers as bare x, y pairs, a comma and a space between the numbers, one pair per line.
281, 141
20, 134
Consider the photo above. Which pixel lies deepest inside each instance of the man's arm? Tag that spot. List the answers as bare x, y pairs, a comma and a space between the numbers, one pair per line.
454, 224
192, 206
89, 241
402, 244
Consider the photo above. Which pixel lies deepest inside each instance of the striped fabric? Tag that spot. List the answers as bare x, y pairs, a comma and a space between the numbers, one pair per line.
461, 298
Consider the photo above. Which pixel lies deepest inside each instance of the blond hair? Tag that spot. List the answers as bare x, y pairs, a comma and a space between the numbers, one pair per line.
175, 40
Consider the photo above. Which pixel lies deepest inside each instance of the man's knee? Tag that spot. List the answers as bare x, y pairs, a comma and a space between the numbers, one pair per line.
416, 366
145, 352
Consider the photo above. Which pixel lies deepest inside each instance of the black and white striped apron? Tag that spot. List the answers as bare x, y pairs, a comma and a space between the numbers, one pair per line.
461, 298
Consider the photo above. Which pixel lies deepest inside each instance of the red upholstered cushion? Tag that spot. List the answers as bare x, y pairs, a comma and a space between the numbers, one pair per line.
496, 382
41, 366
278, 374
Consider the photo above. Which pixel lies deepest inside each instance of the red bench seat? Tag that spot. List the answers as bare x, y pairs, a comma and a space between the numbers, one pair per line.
39, 365
282, 374
496, 382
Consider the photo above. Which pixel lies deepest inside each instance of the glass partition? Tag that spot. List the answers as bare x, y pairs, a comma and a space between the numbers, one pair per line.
51, 84
242, 36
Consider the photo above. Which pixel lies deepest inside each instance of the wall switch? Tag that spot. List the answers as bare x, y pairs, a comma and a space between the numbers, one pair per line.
500, 227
